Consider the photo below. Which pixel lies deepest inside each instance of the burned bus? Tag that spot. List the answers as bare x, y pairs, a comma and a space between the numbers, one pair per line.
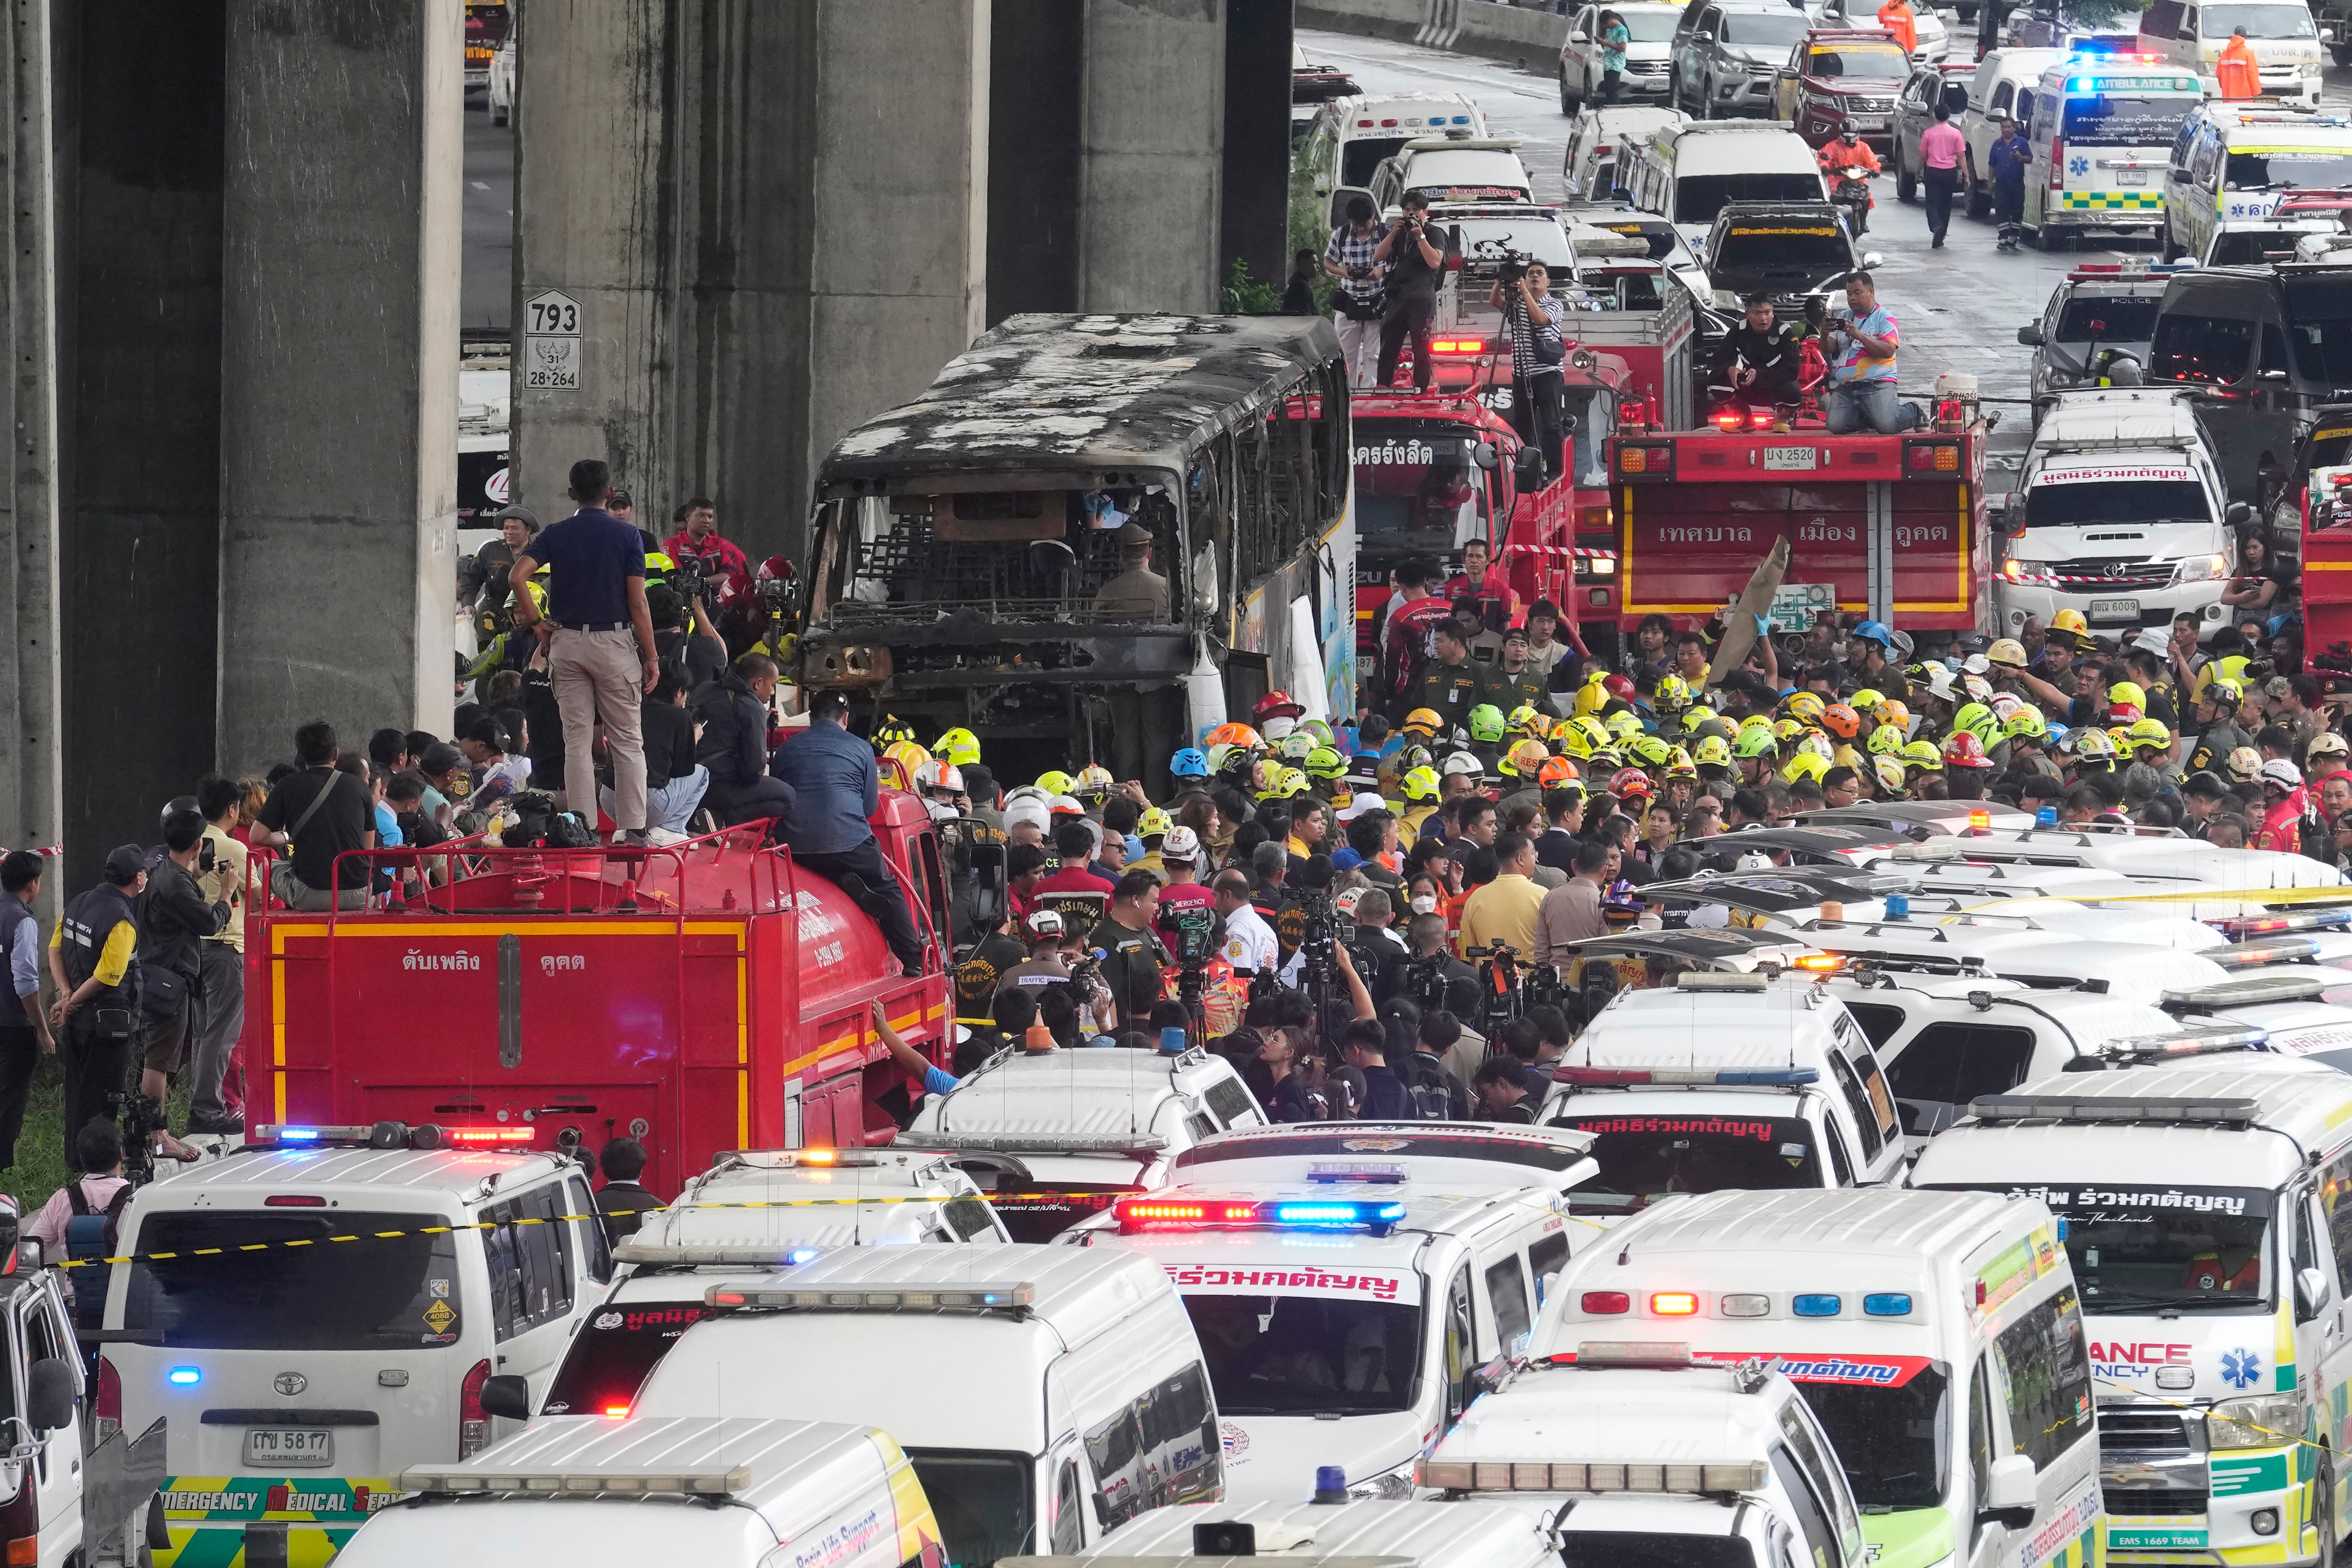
1092, 539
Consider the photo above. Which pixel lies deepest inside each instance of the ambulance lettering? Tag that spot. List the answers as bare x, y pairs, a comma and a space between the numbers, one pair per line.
1312, 1281
2121, 1359
843, 1543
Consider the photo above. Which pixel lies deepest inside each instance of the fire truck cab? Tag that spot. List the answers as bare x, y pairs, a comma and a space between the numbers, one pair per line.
706, 996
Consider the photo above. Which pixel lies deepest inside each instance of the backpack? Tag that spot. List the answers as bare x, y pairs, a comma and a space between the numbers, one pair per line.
93, 1234
1436, 1096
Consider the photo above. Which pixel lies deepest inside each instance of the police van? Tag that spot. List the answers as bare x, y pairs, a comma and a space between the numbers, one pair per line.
1724, 1080
323, 1308
2103, 127
2204, 1213
1660, 1457
756, 1210
1053, 1136
1045, 1394
2232, 162
1331, 1531
1936, 1337
1345, 1277
713, 1492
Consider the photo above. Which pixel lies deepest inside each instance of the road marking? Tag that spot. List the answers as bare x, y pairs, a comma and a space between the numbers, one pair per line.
479, 185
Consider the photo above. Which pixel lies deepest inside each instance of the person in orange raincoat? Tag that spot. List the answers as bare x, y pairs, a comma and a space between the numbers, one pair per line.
1897, 19
2237, 74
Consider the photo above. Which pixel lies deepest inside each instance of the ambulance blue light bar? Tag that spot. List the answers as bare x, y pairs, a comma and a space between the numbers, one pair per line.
1137, 1214
1632, 1077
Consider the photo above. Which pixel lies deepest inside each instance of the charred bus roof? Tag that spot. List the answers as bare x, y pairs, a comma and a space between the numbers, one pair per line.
1078, 401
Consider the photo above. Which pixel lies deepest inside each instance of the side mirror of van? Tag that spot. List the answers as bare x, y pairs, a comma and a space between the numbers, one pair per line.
507, 1395
2310, 1294
1871, 259
2030, 336
2239, 515
1340, 197
50, 1390
2009, 1493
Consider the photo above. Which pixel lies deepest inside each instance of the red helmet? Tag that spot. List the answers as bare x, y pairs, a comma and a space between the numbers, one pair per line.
1628, 782
1618, 687
775, 569
1277, 705
1964, 750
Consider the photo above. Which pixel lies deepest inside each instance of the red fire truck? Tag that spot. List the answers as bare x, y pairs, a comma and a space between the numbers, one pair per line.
707, 996
1895, 525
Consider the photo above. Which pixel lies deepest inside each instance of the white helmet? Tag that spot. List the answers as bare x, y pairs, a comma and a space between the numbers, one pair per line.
1180, 844
1463, 762
1755, 860
938, 774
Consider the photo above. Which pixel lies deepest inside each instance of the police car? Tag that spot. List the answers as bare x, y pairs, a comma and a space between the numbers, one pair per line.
1051, 1136
1662, 1459
1344, 1278
1724, 1080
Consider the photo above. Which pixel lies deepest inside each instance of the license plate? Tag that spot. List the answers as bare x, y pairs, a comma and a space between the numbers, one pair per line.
2131, 176
288, 1447
2114, 609
1785, 458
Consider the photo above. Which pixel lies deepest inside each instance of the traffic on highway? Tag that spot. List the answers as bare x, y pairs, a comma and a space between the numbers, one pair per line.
1652, 871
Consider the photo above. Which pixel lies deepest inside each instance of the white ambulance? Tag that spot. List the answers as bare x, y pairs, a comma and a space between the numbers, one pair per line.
2203, 1211
1054, 1136
1344, 1278
1659, 1458
2233, 163
2103, 127
1936, 1337
713, 1492
1331, 1531
1724, 1080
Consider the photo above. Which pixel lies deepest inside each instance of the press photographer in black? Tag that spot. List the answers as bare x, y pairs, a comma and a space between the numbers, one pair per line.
1415, 259
1536, 320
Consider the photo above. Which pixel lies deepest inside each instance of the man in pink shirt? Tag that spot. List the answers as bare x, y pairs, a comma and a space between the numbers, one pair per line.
1940, 148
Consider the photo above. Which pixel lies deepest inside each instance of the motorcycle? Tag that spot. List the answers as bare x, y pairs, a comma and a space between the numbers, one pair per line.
1850, 190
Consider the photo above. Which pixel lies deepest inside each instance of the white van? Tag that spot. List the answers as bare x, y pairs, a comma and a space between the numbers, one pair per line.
1053, 1136
1502, 1532
387, 1280
1685, 173
2139, 853
1605, 140
2202, 1208
1937, 1336
1345, 1277
2006, 84
2101, 132
2190, 34
2233, 163
757, 1211
1724, 1080
2121, 513
1352, 135
1044, 1394
716, 1492
1662, 1458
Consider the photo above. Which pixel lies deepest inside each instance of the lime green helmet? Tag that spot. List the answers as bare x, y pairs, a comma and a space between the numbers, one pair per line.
1319, 729
1756, 742
1486, 724
1804, 765
1885, 740
2029, 723
1651, 751
1325, 763
1712, 751
1977, 719
1421, 784
1922, 755
1623, 725
1694, 716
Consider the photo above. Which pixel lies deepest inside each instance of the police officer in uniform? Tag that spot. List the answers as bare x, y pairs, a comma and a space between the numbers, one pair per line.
91, 956
1450, 685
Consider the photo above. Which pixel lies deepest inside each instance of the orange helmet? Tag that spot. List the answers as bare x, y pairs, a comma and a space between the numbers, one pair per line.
1237, 735
1630, 782
1841, 721
1557, 772
1525, 759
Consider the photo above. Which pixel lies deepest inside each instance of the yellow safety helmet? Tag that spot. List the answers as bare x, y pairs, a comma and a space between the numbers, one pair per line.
2070, 621
1804, 765
1885, 740
1679, 764
656, 560
1673, 694
1894, 713
2149, 732
1525, 759
1421, 784
1866, 699
961, 747
1424, 722
1650, 750
1621, 725
1527, 721
1054, 782
1596, 734
911, 757
1153, 823
1697, 715
1712, 751
2128, 691
1922, 756
1802, 706
1890, 774
1590, 697
1785, 730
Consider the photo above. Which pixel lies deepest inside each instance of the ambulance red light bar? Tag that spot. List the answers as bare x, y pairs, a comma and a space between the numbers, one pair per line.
959, 1297
1457, 346
1727, 1077
1139, 1214
384, 1135
2243, 926
1728, 419
2280, 948
478, 1136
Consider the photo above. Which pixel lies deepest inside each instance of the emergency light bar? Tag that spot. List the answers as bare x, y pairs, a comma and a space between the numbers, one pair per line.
1595, 1354
1457, 345
2241, 927
386, 1135
1725, 1078
693, 1483
2124, 1110
1353, 1171
2248, 992
1016, 1299
2203, 1041
1514, 1476
1714, 980
1136, 1144
2268, 950
1139, 1214
768, 1256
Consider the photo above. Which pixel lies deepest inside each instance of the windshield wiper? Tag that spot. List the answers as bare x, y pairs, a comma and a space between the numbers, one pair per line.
2128, 1303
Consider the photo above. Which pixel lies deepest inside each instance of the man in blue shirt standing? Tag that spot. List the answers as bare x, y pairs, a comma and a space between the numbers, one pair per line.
599, 635
2009, 159
835, 789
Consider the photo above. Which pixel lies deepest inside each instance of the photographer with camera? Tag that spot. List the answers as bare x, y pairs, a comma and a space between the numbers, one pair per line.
1356, 307
1416, 261
1380, 954
718, 565
174, 918
1536, 320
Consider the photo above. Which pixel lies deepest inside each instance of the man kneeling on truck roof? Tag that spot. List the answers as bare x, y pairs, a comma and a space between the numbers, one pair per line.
1863, 341
836, 788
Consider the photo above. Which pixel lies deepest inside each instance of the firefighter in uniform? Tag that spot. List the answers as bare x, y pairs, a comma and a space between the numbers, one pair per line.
90, 956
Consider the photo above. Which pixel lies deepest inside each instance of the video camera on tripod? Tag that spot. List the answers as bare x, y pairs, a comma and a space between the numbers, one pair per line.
1499, 987
140, 1119
1510, 263
1193, 931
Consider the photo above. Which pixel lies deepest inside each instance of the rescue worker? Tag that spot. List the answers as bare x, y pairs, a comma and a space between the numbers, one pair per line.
2237, 74
1848, 150
91, 954
1760, 365
623, 1201
2008, 162
1895, 17
836, 787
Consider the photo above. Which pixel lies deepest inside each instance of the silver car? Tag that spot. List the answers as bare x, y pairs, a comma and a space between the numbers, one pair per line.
1727, 55
2086, 313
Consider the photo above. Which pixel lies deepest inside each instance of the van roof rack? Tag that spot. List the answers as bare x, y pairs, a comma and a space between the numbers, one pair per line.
2128, 1110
